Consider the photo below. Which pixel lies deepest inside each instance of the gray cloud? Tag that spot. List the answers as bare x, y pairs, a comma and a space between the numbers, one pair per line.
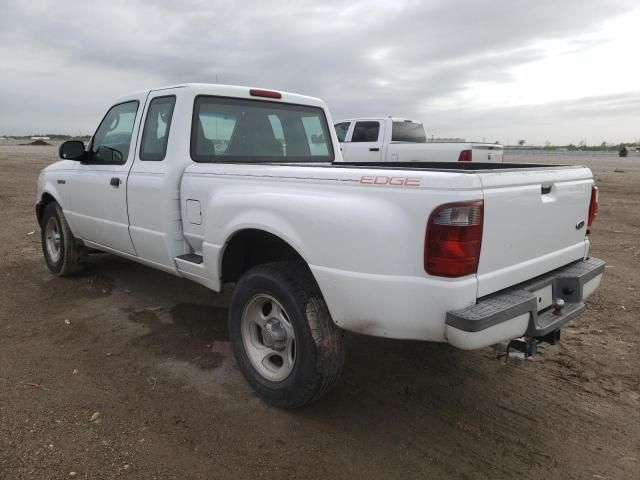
64, 62
608, 118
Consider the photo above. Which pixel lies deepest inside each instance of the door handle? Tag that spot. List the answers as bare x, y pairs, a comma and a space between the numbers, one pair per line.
374, 149
115, 182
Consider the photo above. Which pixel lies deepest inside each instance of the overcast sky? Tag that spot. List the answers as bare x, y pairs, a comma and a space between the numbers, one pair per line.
544, 70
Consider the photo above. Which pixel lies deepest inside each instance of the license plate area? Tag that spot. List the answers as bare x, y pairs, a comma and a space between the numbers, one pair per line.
544, 297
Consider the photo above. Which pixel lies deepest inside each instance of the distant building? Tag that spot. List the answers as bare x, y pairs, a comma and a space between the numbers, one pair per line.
523, 147
447, 140
40, 138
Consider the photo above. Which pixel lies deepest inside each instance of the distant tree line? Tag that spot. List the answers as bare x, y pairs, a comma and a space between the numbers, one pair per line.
52, 136
603, 147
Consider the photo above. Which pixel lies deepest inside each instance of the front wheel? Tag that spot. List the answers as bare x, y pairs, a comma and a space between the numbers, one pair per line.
283, 338
63, 254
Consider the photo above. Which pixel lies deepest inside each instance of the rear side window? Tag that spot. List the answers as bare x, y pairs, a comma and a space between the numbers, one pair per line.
242, 130
366, 132
408, 132
315, 136
341, 130
156, 128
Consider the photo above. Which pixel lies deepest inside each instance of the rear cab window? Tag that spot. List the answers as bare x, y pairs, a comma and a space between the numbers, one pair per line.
242, 130
407, 131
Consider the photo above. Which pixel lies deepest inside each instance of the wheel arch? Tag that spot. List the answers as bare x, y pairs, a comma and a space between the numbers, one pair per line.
249, 247
45, 199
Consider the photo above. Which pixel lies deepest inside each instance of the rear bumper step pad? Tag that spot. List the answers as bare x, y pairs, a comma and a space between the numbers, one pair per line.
567, 283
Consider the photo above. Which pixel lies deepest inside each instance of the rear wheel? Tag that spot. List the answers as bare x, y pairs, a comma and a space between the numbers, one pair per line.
283, 338
63, 254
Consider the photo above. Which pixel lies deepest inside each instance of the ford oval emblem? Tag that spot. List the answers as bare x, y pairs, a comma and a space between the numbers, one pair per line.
579, 225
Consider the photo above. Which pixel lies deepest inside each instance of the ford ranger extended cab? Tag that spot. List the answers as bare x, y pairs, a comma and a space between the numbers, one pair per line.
400, 140
221, 184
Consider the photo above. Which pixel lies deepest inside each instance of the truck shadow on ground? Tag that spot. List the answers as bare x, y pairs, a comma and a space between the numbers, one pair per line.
189, 336
183, 320
186, 320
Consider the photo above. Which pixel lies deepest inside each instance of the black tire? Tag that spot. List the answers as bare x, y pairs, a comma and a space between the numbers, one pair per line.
72, 255
319, 342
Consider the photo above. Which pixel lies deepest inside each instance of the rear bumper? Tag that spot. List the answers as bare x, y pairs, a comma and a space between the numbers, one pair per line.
514, 312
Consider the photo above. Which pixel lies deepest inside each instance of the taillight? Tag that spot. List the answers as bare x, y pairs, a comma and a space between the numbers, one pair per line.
453, 239
593, 206
255, 92
465, 156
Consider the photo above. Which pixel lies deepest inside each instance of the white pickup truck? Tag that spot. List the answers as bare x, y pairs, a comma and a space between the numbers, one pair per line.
400, 140
223, 184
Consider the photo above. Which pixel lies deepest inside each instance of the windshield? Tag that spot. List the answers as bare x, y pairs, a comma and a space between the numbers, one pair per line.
238, 130
408, 132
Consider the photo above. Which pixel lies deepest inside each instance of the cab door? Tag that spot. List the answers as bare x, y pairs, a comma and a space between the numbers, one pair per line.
97, 210
366, 142
153, 188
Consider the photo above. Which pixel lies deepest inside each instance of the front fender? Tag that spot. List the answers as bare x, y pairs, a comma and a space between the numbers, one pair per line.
51, 183
47, 194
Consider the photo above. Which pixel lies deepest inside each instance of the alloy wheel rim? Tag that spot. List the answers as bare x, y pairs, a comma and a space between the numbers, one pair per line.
268, 338
53, 239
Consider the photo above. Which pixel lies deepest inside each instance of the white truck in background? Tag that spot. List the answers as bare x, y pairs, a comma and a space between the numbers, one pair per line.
221, 184
400, 140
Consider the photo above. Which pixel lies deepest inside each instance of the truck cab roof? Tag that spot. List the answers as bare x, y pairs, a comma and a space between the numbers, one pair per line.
379, 119
233, 91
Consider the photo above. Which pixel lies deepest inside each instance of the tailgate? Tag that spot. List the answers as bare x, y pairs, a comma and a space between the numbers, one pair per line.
535, 220
488, 153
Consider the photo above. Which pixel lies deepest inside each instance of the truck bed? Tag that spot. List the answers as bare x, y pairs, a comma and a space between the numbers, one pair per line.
454, 167
471, 167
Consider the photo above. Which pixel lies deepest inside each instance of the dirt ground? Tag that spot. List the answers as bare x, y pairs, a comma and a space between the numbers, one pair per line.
149, 352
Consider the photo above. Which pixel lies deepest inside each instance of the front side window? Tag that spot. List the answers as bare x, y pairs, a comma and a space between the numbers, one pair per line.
239, 130
408, 132
366, 132
112, 139
156, 128
341, 130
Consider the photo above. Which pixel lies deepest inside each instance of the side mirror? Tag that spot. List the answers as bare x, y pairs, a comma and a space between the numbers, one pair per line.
72, 150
